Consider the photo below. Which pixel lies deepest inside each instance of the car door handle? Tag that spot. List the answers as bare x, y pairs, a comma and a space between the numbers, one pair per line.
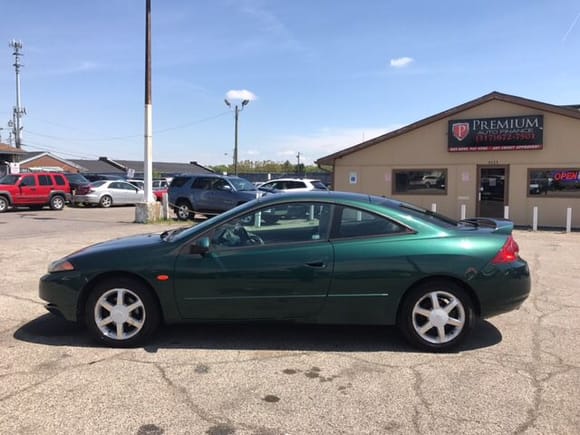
316, 264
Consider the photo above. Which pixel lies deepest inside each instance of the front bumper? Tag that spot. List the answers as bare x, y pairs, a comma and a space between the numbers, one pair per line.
62, 291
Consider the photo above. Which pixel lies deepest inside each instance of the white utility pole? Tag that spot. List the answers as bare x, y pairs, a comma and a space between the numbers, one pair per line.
18, 111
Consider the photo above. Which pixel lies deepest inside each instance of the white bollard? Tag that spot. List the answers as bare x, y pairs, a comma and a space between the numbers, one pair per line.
535, 219
569, 219
506, 212
434, 208
463, 211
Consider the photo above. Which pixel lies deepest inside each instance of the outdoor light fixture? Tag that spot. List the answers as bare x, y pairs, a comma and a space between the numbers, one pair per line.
237, 110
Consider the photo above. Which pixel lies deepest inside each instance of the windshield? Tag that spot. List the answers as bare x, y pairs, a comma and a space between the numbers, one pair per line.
188, 232
242, 184
9, 179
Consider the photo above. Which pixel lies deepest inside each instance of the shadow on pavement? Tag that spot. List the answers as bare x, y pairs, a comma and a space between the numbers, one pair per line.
51, 330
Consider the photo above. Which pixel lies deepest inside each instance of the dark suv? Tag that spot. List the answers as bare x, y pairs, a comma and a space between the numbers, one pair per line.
208, 194
34, 190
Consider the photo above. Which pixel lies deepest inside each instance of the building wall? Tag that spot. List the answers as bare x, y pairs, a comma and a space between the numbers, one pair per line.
48, 162
426, 148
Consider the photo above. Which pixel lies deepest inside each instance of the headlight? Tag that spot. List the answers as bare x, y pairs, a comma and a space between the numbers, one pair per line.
61, 265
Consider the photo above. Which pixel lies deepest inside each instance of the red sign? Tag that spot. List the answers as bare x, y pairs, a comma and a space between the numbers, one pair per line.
460, 130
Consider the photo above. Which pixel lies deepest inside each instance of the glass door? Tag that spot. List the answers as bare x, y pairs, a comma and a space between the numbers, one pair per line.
492, 195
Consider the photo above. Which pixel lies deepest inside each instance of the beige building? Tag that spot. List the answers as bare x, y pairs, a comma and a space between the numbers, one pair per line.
496, 156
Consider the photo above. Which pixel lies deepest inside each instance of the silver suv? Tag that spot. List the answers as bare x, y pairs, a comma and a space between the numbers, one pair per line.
293, 184
208, 194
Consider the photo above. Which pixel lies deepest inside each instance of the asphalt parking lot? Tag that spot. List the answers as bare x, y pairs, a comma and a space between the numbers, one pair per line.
518, 373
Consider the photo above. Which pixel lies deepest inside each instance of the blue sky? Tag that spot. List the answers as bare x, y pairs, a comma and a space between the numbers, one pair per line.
323, 75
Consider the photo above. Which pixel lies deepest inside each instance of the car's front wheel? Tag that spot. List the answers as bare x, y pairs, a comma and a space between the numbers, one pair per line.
436, 315
57, 202
121, 312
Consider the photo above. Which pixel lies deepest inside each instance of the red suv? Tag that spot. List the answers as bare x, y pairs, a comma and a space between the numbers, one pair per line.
34, 190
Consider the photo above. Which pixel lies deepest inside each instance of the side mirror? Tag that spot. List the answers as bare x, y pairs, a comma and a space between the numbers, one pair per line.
200, 246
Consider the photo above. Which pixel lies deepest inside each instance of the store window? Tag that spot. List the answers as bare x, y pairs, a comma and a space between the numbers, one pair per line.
420, 181
554, 182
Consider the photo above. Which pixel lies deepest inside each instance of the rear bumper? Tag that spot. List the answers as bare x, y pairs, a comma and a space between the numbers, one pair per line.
506, 288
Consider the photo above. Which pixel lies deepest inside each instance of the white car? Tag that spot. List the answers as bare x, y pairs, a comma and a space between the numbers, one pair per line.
293, 185
106, 193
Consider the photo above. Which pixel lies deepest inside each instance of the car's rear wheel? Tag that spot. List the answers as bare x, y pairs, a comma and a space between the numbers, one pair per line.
183, 210
436, 315
106, 201
121, 312
3, 204
57, 202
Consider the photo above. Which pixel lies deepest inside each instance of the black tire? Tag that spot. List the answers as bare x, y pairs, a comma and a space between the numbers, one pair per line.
106, 201
57, 202
117, 326
184, 210
4, 204
444, 306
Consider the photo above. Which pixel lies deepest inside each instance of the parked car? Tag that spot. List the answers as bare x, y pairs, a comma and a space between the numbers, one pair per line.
34, 190
208, 194
292, 184
76, 180
106, 193
98, 177
159, 186
363, 260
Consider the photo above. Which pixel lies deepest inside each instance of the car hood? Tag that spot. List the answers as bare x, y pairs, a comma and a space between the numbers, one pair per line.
141, 241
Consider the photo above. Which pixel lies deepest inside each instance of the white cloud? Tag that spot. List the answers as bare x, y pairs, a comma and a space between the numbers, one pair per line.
241, 94
401, 62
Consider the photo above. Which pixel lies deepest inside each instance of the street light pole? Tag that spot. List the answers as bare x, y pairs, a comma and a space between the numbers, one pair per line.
237, 111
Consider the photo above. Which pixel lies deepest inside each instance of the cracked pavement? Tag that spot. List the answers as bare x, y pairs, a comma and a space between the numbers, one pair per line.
518, 373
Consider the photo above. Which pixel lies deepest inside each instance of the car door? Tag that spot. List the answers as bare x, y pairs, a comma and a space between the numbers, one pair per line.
221, 196
29, 191
284, 273
373, 266
132, 194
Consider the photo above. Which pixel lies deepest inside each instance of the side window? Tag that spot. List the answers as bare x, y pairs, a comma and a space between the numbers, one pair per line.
44, 180
220, 184
29, 180
358, 223
295, 185
115, 185
283, 224
201, 183
59, 179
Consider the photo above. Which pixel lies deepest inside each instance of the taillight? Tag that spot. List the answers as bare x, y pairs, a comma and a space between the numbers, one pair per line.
508, 253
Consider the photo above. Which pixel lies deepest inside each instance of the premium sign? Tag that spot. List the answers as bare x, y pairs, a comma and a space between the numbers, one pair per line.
496, 134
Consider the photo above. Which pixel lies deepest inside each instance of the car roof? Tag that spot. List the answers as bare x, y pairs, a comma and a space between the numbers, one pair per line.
292, 179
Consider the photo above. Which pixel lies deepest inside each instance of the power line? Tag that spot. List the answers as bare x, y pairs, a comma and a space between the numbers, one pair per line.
111, 138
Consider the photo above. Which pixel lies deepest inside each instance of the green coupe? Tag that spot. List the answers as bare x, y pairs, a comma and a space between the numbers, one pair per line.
326, 257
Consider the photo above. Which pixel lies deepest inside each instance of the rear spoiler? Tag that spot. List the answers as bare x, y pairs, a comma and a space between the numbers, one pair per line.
498, 225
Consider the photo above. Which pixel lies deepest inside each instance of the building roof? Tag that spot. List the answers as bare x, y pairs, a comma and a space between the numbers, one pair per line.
105, 165
31, 156
166, 167
569, 111
97, 166
9, 149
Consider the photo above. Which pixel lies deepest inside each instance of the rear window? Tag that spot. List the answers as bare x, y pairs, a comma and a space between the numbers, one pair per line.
59, 180
179, 181
319, 185
98, 183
